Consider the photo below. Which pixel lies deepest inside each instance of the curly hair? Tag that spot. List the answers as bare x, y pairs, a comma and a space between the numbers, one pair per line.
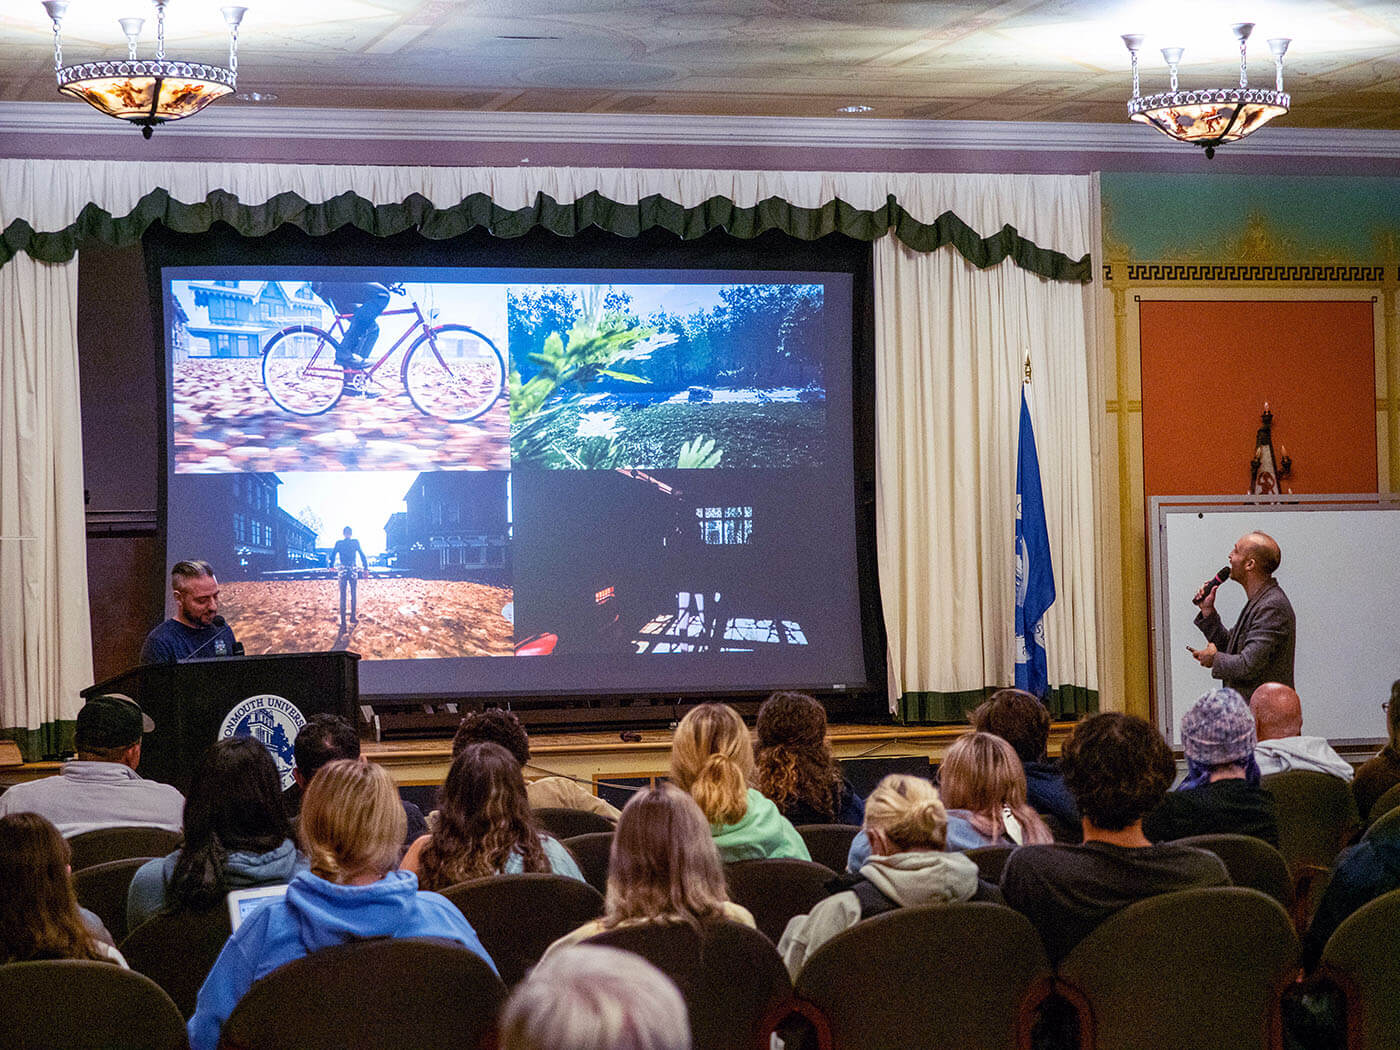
1118, 768
793, 761
496, 725
1017, 717
484, 818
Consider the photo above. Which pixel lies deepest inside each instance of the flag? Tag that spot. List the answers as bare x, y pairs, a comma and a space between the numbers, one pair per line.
1035, 576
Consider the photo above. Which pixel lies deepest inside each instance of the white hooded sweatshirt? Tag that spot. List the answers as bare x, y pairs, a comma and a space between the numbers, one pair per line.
1312, 753
923, 877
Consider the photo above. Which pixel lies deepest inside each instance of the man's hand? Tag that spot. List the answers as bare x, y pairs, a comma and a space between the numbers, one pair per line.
1205, 599
1205, 657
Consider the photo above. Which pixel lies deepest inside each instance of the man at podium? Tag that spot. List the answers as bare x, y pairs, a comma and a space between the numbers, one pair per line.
196, 629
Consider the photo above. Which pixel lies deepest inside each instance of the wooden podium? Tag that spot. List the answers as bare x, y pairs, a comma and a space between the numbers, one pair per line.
190, 701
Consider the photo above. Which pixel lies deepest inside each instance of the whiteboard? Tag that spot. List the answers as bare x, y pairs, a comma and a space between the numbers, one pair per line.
1341, 571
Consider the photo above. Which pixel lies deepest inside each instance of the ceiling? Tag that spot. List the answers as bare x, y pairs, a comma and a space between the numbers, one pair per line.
1021, 60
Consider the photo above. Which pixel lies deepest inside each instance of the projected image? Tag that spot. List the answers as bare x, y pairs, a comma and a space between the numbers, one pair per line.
337, 375
392, 565
643, 562
658, 376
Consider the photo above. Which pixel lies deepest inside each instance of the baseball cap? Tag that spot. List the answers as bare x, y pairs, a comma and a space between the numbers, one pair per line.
111, 720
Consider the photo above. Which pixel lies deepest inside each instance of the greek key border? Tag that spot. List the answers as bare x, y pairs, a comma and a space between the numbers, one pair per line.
1249, 273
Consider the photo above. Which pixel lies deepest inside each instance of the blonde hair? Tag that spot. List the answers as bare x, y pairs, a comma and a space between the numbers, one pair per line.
908, 812
591, 997
981, 774
664, 863
712, 758
352, 822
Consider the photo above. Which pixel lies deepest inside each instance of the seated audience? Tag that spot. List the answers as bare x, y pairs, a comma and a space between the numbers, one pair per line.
39, 916
984, 789
1022, 721
1360, 875
906, 825
485, 826
236, 835
503, 727
1381, 773
323, 739
712, 759
795, 767
1118, 769
590, 997
100, 788
351, 827
663, 867
1221, 791
1278, 722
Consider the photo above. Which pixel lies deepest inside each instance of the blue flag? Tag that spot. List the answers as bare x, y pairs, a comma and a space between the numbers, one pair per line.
1035, 576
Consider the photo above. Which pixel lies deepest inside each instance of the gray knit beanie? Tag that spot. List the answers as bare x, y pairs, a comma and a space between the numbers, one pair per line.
1219, 729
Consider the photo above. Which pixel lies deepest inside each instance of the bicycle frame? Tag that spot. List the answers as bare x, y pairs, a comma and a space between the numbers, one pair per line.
341, 325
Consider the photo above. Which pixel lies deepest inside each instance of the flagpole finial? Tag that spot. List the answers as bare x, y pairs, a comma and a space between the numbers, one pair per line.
1026, 380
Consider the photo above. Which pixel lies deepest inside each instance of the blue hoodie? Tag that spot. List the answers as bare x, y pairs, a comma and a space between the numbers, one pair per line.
319, 914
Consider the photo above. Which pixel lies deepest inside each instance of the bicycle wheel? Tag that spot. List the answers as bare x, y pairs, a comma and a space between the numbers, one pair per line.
300, 372
453, 372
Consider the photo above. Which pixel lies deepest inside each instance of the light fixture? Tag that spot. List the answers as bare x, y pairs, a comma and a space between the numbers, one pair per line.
146, 91
1209, 117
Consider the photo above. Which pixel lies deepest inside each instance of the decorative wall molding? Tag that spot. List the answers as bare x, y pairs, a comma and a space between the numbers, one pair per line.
234, 121
1158, 273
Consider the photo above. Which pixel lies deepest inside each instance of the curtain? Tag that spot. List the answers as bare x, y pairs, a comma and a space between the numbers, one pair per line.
951, 343
993, 238
45, 636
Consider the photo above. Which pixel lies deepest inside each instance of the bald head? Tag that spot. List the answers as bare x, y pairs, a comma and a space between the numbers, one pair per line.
1278, 712
1265, 551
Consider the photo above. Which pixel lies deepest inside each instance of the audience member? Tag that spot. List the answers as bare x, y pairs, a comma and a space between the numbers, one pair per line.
1020, 718
39, 916
100, 788
1221, 791
326, 738
984, 789
795, 767
503, 727
351, 827
485, 825
907, 826
712, 759
1360, 875
1278, 721
1118, 769
589, 997
664, 867
1381, 773
236, 835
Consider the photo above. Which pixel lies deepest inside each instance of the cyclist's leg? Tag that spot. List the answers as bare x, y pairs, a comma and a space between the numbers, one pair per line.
354, 585
342, 599
363, 330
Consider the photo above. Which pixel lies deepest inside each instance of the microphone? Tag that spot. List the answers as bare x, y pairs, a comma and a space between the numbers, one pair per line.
1208, 588
218, 622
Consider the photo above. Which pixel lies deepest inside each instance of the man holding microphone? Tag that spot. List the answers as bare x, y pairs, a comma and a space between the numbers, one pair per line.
1260, 647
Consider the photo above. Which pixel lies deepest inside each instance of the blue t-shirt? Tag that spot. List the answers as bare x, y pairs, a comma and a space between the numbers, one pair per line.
174, 641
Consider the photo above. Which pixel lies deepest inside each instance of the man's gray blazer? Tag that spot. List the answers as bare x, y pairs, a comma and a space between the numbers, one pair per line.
1260, 648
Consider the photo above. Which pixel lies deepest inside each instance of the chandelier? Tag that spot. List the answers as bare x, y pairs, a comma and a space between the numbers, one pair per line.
1209, 117
146, 91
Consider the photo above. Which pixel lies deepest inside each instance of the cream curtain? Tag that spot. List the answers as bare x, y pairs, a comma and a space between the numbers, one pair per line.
945, 332
45, 637
950, 346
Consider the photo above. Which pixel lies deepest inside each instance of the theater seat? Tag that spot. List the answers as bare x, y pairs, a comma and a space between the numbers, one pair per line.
518, 916
1316, 815
107, 844
592, 851
564, 823
1360, 957
177, 950
1203, 967
389, 994
775, 889
71, 1005
828, 843
731, 977
936, 977
1250, 861
102, 889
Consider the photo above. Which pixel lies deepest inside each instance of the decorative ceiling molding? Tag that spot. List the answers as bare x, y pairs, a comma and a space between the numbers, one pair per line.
228, 121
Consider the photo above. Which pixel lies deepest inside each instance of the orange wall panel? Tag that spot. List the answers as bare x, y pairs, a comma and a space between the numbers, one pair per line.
1209, 366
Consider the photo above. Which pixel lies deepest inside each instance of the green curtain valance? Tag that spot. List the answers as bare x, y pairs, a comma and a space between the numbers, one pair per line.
592, 209
1066, 703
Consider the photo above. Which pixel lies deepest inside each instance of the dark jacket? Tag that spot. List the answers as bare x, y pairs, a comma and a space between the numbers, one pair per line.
1260, 648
